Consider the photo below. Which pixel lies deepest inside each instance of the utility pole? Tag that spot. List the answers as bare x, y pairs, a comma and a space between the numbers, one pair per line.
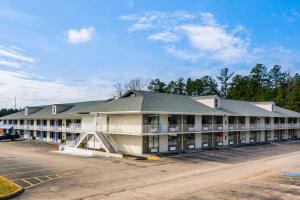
15, 103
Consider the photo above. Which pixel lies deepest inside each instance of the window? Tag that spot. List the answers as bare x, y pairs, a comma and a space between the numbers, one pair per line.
253, 120
218, 119
206, 119
295, 120
216, 103
153, 144
172, 141
190, 140
54, 109
267, 120
231, 120
174, 119
51, 122
151, 119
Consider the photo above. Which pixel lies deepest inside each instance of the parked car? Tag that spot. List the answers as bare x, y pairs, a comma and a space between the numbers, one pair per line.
7, 136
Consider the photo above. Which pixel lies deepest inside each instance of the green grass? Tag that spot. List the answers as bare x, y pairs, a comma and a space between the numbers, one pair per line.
7, 186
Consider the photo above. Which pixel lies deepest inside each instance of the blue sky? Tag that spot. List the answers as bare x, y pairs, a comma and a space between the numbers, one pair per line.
63, 51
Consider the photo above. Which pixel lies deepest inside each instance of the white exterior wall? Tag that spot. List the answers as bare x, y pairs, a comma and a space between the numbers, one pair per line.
208, 102
163, 143
102, 123
267, 106
129, 143
198, 140
126, 123
88, 123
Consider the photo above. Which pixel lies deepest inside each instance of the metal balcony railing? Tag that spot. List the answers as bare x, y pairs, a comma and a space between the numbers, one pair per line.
174, 128
189, 127
253, 126
207, 127
233, 127
153, 128
218, 127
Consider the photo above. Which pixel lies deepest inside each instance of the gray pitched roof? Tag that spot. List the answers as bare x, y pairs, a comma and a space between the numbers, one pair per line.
243, 108
286, 112
151, 102
169, 103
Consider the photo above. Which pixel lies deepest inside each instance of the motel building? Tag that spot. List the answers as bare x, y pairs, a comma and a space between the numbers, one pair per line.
142, 123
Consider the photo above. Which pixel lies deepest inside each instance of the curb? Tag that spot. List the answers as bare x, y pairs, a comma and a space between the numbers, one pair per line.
13, 194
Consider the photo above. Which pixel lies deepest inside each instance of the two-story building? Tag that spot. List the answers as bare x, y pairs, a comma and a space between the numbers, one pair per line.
143, 122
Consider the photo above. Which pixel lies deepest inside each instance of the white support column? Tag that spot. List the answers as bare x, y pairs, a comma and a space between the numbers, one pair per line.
198, 140
247, 122
225, 128
163, 143
198, 123
272, 135
247, 136
163, 118
272, 122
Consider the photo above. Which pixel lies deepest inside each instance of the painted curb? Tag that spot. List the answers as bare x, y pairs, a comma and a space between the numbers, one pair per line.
13, 194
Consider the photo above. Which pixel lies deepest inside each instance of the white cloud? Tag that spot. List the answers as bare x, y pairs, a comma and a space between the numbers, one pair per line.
32, 91
156, 20
12, 53
216, 43
198, 38
182, 54
164, 37
208, 18
10, 64
80, 36
13, 56
202, 37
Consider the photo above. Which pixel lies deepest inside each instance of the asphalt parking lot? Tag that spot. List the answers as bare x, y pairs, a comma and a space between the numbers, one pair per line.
30, 172
252, 172
239, 154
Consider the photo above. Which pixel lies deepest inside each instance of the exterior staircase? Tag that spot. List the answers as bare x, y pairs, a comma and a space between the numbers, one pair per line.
105, 139
108, 142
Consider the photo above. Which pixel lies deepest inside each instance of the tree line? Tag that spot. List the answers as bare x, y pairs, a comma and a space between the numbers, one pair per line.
8, 111
260, 84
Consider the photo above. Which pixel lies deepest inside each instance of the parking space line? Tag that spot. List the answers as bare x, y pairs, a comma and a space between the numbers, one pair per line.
39, 178
27, 182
